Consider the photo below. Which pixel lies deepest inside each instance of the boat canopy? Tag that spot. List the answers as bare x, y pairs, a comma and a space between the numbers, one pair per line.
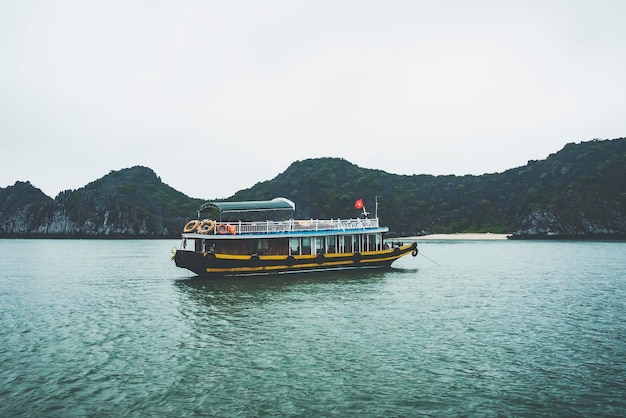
278, 203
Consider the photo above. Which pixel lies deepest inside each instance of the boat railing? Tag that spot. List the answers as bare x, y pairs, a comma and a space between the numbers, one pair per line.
293, 225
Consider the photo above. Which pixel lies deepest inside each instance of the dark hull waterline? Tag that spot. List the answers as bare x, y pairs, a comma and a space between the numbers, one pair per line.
208, 264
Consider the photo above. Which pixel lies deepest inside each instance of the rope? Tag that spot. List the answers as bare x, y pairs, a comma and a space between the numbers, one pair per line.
430, 259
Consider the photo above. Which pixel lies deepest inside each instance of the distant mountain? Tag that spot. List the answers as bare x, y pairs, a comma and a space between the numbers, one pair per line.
21, 207
578, 192
129, 203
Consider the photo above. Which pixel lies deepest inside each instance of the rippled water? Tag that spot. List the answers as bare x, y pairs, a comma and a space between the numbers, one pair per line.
488, 328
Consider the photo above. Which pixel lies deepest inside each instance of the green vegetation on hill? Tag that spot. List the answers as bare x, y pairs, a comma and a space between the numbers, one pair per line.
134, 201
582, 186
578, 191
22, 205
129, 203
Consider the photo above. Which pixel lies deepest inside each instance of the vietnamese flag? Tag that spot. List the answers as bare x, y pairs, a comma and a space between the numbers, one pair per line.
359, 204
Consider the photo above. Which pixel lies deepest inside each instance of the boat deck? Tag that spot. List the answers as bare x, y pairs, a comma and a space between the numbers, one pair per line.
292, 225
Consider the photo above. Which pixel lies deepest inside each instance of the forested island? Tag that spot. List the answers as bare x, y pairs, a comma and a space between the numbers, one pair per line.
578, 192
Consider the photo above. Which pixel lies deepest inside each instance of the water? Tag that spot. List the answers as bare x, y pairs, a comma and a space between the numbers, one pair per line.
487, 328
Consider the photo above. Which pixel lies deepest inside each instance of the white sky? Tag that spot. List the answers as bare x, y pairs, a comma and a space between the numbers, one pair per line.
216, 96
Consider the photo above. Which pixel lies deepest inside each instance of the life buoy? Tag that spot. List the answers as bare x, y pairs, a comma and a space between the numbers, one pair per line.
191, 226
207, 226
222, 229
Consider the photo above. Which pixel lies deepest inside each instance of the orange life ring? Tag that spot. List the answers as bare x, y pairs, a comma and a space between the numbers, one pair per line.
191, 226
232, 229
206, 226
222, 229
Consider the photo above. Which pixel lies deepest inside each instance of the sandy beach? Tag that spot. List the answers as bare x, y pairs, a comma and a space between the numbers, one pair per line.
470, 236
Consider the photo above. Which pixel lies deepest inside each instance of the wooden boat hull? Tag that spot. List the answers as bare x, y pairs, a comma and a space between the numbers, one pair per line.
208, 264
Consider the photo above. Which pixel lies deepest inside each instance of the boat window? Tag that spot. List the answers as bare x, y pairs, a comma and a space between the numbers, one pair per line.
331, 245
342, 244
319, 245
294, 245
306, 245
263, 246
373, 241
351, 246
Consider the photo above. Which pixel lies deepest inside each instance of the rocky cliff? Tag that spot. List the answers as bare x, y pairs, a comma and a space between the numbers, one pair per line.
131, 203
548, 223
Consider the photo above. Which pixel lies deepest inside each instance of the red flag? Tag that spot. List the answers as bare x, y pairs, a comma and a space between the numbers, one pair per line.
359, 204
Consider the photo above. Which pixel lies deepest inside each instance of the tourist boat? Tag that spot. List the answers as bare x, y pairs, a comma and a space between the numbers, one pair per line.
220, 247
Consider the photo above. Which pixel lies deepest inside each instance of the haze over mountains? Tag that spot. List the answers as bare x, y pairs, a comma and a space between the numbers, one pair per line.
577, 192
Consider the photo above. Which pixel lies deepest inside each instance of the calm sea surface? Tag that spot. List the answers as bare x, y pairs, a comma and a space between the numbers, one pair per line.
479, 328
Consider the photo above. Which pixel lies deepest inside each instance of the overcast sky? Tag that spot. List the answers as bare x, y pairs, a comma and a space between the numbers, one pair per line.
216, 96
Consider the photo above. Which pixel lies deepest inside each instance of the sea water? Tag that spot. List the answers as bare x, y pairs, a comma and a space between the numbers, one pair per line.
471, 328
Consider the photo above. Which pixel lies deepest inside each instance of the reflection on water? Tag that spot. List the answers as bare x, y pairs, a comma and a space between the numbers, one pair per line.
230, 294
280, 281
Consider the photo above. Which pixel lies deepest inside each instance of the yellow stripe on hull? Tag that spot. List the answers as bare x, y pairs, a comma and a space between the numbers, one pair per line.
308, 262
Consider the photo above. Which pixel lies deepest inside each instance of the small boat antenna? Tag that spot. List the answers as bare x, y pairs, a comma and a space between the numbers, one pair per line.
376, 209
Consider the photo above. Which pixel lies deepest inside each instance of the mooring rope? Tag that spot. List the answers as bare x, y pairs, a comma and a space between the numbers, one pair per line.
430, 259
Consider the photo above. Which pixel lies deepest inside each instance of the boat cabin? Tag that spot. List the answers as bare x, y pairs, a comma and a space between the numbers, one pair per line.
281, 237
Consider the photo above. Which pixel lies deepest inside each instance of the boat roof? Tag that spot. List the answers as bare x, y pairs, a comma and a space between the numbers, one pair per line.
278, 203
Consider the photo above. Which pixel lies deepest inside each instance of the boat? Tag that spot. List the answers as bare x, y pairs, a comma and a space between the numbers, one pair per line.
214, 247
